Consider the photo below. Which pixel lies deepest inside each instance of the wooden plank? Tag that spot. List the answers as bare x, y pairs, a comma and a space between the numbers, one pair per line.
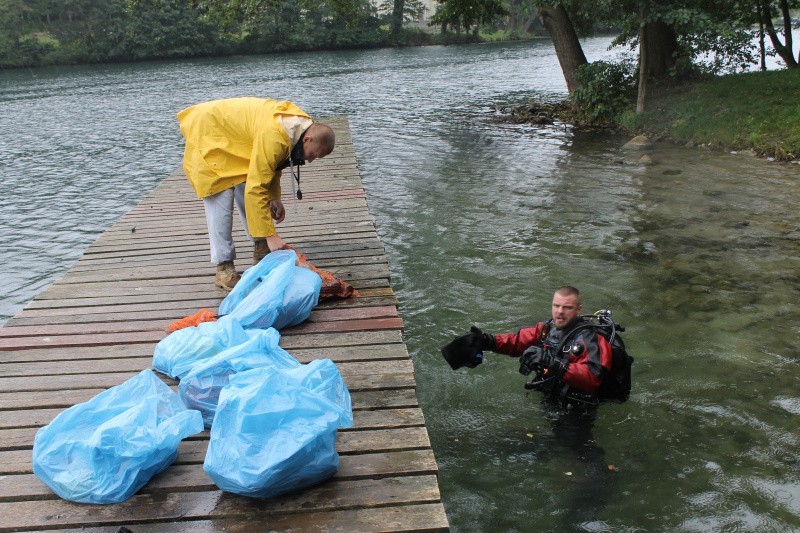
313, 244
358, 376
20, 427
197, 284
403, 518
376, 354
150, 336
290, 343
330, 496
317, 315
367, 297
18, 461
362, 400
20, 487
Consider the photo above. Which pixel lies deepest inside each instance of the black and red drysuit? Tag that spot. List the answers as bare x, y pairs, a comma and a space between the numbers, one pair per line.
588, 362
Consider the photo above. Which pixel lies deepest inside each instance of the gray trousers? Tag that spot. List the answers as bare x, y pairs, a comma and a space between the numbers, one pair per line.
219, 217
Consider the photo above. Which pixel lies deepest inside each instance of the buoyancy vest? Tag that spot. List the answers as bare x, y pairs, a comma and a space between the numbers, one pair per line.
616, 380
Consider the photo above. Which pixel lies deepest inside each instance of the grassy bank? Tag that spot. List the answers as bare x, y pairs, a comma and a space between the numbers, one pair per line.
758, 111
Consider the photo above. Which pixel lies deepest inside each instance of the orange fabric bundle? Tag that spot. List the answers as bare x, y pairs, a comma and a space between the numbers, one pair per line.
203, 315
332, 287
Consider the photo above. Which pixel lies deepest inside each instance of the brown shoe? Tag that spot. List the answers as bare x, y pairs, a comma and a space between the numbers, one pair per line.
227, 277
260, 250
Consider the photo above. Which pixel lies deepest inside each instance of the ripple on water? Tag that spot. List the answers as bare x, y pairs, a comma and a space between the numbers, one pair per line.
696, 254
789, 404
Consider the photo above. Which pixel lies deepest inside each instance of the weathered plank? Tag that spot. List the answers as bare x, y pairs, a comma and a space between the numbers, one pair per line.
193, 451
155, 335
366, 399
330, 496
31, 420
297, 342
405, 518
81, 327
358, 376
185, 477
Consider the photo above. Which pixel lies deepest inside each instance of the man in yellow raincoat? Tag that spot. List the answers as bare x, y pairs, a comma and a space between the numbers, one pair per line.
235, 151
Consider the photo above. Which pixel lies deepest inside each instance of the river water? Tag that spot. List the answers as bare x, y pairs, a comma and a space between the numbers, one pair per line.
697, 254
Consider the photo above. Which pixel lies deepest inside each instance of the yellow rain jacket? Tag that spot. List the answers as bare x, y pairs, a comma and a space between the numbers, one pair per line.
238, 140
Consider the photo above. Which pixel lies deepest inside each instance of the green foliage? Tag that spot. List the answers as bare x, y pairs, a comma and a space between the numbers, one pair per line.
20, 45
743, 111
468, 14
629, 120
605, 91
412, 10
27, 50
713, 36
42, 32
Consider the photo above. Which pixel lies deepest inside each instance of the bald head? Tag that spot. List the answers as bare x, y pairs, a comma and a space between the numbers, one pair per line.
324, 135
318, 141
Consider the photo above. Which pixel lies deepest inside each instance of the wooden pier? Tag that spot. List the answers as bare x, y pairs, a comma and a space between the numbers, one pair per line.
99, 324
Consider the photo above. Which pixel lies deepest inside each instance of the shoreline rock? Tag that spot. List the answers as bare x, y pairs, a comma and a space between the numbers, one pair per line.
640, 142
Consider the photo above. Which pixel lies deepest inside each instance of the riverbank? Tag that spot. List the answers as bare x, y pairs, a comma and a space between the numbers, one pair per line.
752, 111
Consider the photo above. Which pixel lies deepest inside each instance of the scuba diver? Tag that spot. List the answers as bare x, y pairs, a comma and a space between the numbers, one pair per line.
576, 359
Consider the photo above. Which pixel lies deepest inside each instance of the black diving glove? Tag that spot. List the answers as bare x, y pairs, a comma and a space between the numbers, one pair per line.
536, 359
467, 350
486, 341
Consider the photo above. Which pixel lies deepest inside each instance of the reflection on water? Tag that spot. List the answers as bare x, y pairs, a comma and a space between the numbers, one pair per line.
697, 254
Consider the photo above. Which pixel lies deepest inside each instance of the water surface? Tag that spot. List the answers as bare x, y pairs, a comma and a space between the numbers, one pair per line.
697, 254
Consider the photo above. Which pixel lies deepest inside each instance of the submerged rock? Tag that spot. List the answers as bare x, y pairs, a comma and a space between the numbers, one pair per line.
640, 142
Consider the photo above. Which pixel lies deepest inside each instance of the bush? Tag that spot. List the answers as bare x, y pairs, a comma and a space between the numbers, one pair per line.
605, 91
25, 51
631, 121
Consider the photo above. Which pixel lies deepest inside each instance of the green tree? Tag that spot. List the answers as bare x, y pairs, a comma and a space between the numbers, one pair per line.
468, 14
399, 13
769, 9
165, 28
21, 41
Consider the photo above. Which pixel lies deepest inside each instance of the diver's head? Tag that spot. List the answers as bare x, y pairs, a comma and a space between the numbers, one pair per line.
567, 306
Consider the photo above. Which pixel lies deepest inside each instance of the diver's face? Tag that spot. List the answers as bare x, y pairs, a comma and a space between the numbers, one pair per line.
313, 150
566, 309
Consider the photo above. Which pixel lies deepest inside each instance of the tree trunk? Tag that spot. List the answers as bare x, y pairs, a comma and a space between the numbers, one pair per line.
787, 26
661, 48
783, 51
568, 48
526, 26
397, 18
513, 13
644, 66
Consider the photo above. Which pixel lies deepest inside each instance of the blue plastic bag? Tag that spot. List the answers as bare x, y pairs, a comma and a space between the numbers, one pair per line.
200, 388
273, 434
321, 377
253, 276
106, 449
176, 354
300, 298
275, 292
